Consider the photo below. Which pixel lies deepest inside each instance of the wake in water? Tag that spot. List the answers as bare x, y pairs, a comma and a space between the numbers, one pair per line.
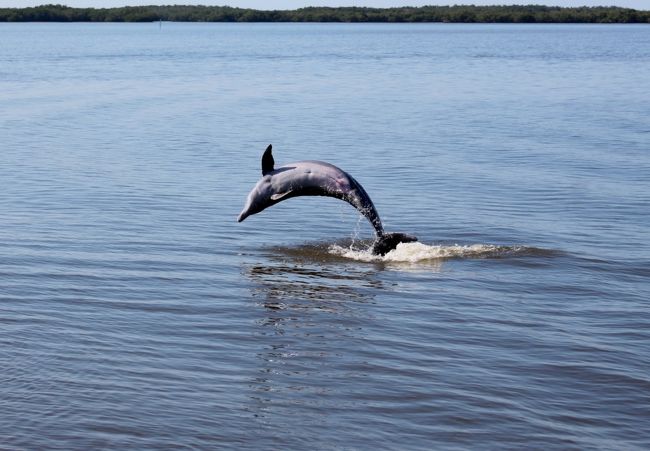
416, 253
420, 252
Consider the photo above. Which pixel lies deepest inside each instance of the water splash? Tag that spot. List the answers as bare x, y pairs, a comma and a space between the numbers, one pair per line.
420, 252
357, 230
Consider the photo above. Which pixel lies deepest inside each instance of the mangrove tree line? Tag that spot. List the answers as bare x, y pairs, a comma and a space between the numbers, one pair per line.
458, 13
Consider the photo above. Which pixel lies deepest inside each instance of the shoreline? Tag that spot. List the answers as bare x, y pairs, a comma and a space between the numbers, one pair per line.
425, 14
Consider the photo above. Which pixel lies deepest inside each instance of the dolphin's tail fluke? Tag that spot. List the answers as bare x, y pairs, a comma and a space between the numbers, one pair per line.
389, 241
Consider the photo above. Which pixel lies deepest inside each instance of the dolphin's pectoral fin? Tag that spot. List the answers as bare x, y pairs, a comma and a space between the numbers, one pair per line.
267, 160
280, 196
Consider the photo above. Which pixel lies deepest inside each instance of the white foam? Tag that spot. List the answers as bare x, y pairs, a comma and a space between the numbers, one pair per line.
416, 252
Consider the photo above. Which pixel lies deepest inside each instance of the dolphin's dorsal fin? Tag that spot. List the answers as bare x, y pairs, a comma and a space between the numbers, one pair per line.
267, 161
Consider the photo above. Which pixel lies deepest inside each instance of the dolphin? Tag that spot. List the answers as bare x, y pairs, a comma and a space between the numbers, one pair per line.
317, 178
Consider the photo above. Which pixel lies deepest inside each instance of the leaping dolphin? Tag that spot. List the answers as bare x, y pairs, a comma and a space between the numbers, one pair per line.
316, 178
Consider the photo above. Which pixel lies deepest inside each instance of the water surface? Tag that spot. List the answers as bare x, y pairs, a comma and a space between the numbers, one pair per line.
136, 313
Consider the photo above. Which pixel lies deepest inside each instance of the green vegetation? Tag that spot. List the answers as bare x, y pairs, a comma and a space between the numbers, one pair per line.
502, 14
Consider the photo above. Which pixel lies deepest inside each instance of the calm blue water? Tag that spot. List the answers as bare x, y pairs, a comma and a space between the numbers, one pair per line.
136, 313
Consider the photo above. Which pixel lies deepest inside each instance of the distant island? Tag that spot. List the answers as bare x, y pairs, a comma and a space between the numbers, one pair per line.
457, 13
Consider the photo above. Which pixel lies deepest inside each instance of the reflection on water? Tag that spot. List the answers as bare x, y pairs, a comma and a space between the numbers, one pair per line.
311, 313
300, 287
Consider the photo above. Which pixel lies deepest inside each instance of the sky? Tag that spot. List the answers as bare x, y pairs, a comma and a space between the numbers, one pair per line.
293, 4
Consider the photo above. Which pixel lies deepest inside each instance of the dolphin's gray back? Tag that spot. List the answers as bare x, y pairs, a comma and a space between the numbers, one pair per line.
317, 178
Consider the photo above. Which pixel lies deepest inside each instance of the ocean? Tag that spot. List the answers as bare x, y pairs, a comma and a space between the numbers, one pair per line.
136, 313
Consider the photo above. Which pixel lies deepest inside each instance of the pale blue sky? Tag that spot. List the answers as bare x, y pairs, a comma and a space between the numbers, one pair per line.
293, 4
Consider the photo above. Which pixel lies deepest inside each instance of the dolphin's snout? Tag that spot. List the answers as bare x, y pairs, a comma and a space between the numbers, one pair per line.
245, 213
